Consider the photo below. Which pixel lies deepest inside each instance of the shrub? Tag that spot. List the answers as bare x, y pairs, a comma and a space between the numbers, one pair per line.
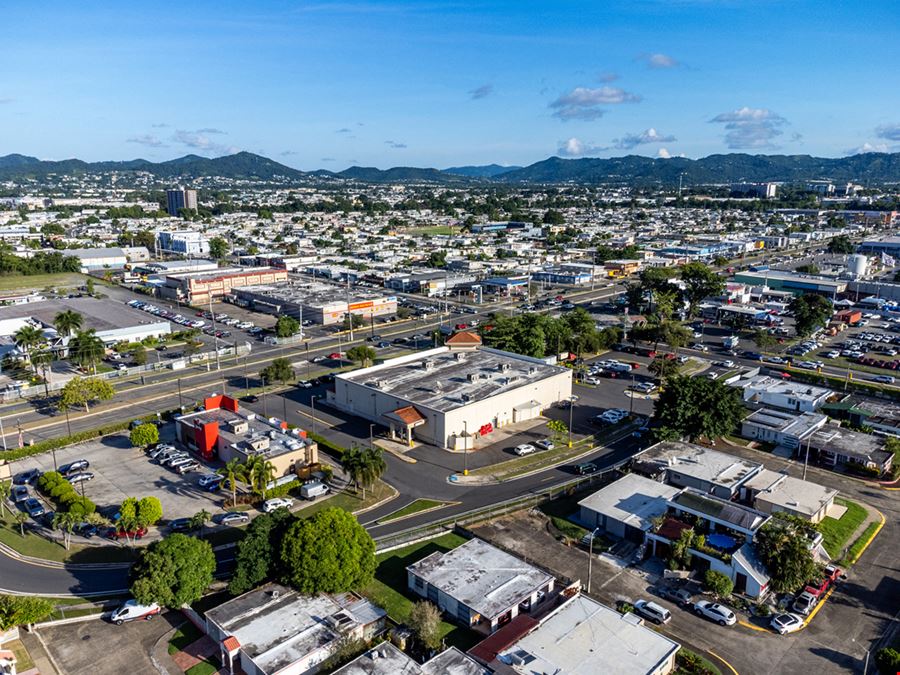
717, 583
762, 609
887, 660
283, 490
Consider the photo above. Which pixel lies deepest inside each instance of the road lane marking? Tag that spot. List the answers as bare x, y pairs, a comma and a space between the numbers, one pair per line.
730, 667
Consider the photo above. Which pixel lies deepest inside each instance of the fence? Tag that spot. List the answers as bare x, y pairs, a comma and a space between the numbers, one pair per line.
40, 390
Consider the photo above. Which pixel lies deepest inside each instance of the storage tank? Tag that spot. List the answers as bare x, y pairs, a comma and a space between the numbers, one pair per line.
856, 265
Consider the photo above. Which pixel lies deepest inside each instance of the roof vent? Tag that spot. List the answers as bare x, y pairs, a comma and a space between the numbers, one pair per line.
460, 356
428, 365
472, 377
504, 367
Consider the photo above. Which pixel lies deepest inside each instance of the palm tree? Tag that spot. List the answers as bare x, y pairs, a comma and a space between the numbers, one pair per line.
21, 518
67, 322
364, 466
66, 521
5, 492
231, 473
260, 472
199, 519
27, 338
43, 359
87, 349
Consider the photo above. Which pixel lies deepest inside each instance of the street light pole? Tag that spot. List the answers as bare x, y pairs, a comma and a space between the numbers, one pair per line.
68, 428
312, 402
3, 435
265, 400
631, 398
571, 414
371, 436
308, 364
466, 447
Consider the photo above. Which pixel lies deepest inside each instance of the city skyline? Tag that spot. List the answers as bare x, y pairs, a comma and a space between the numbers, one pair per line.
330, 85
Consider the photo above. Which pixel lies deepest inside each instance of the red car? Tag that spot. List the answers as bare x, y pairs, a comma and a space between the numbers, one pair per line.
115, 533
335, 356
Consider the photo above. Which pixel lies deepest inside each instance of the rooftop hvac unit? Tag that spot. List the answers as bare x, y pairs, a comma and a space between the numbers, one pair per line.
472, 377
466, 398
504, 367
428, 365
460, 356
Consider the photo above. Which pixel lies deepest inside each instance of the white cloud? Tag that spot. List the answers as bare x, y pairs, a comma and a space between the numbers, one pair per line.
483, 91
750, 128
199, 140
889, 132
212, 130
607, 77
577, 148
396, 145
659, 61
869, 147
149, 140
583, 103
651, 135
662, 153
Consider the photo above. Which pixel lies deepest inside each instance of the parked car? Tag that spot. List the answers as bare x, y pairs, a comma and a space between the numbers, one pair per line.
650, 610
524, 449
81, 477
27, 477
680, 596
132, 611
546, 444
187, 467
86, 530
804, 603
117, 533
713, 611
34, 507
250, 398
19, 493
786, 623
74, 467
884, 379
234, 518
276, 503
208, 479
180, 525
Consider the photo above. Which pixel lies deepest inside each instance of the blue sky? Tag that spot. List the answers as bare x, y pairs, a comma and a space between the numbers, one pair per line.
331, 84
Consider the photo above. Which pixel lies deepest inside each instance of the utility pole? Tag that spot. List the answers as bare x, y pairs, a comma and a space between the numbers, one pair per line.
308, 364
465, 447
3, 435
180, 400
591, 557
806, 459
571, 414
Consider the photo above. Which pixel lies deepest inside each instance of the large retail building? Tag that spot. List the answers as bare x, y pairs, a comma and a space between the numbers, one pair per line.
448, 395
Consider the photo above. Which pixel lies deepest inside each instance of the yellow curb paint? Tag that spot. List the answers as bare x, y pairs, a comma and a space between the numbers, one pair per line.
752, 627
730, 667
871, 539
819, 606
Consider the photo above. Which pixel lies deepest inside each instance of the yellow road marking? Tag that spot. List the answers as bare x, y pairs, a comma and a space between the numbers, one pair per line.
730, 667
871, 539
752, 627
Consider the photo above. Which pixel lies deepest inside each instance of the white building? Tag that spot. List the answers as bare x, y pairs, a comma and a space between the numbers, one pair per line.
583, 637
763, 390
626, 507
447, 395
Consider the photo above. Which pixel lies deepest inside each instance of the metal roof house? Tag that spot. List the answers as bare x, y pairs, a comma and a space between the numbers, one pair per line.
480, 586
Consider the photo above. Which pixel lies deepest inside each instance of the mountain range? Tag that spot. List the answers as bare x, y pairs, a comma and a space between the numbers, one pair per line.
870, 167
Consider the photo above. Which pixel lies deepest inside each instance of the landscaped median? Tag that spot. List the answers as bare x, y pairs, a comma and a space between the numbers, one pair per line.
520, 467
415, 508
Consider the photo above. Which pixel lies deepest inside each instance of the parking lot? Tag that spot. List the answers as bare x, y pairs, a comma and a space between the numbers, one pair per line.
102, 648
121, 471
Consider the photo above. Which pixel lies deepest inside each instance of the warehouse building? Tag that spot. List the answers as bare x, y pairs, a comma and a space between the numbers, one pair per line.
795, 283
447, 395
198, 288
316, 301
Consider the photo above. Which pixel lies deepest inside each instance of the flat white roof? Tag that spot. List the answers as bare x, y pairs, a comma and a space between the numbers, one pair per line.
701, 463
632, 499
484, 578
584, 637
791, 493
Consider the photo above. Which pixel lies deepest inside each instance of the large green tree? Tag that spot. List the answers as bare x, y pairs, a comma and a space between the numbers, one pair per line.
17, 610
173, 572
218, 248
258, 553
86, 349
362, 354
841, 244
67, 322
810, 312
280, 370
697, 406
143, 435
783, 546
700, 282
285, 326
328, 553
83, 391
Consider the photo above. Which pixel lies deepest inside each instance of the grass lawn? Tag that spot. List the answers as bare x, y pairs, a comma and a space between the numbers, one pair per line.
186, 634
685, 658
39, 281
836, 533
206, 667
72, 613
856, 548
388, 589
417, 506
23, 658
37, 546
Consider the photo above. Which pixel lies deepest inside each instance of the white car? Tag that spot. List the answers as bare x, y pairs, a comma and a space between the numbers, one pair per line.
721, 614
524, 449
700, 347
276, 503
786, 623
728, 363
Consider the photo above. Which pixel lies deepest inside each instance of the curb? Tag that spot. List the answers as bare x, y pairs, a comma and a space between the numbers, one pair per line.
387, 499
443, 505
872, 538
494, 481
42, 562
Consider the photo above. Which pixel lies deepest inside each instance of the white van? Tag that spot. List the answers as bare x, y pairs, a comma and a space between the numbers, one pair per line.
313, 489
131, 611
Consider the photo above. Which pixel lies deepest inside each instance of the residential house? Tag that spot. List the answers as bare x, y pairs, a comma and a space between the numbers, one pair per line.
772, 492
626, 508
480, 586
704, 469
781, 427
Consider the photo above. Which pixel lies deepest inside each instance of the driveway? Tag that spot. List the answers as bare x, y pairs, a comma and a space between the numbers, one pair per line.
102, 648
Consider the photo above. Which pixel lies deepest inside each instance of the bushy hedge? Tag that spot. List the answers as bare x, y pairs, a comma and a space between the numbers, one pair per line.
330, 447
283, 490
61, 492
